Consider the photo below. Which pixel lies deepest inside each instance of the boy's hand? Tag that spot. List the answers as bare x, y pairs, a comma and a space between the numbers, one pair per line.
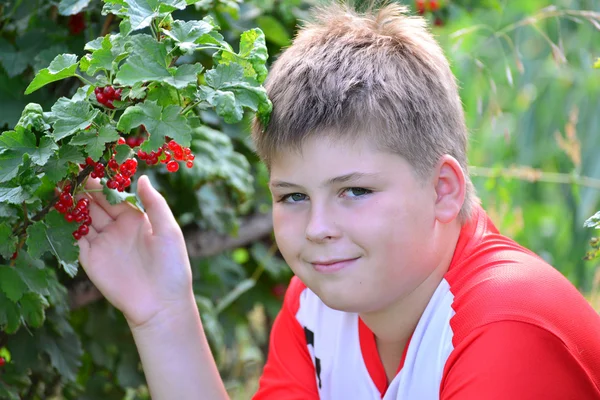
138, 261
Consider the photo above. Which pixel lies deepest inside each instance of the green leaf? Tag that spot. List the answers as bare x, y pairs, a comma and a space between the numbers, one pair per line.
10, 316
58, 166
70, 7
68, 117
141, 12
111, 51
229, 91
8, 241
116, 197
123, 152
22, 187
22, 142
13, 61
36, 277
158, 121
11, 283
597, 63
32, 308
95, 142
55, 235
65, 352
274, 31
63, 66
185, 33
150, 64
252, 55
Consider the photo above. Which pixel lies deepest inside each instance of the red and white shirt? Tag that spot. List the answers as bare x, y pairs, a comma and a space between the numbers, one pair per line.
502, 324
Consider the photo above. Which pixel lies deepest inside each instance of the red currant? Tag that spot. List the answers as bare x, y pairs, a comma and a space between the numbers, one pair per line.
76, 235
83, 230
189, 164
121, 141
172, 166
2, 361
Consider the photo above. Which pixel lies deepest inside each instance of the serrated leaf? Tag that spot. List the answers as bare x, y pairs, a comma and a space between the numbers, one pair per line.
64, 351
123, 152
58, 166
116, 197
63, 66
95, 141
10, 317
8, 241
54, 235
112, 50
141, 12
68, 117
150, 64
158, 121
20, 142
33, 308
22, 186
11, 283
35, 278
70, 7
185, 33
229, 91
254, 49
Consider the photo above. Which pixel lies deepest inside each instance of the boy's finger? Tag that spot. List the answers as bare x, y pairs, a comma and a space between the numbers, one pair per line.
159, 214
112, 210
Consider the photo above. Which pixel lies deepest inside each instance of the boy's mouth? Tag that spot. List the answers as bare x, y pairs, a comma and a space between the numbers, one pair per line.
332, 265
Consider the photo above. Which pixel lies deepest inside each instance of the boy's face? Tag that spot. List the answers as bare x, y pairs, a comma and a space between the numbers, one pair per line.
347, 202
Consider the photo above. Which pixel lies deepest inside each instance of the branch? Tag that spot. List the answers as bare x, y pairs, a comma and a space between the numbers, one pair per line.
199, 244
536, 175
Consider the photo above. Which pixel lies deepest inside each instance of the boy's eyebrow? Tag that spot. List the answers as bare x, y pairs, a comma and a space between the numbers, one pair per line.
336, 180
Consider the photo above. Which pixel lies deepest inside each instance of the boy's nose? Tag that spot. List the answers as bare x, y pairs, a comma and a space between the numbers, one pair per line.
321, 225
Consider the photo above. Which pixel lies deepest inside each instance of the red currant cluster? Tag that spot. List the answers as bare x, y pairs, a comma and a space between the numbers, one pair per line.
79, 212
169, 154
107, 95
124, 172
98, 171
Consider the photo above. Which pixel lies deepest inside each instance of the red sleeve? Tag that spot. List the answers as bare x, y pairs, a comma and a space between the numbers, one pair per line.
515, 360
289, 372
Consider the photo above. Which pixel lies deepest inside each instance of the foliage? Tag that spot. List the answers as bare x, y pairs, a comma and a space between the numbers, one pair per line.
194, 69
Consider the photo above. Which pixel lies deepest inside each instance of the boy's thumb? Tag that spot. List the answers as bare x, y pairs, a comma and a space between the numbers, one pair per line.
158, 211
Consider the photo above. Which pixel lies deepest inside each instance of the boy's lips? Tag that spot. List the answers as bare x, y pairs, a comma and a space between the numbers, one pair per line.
332, 265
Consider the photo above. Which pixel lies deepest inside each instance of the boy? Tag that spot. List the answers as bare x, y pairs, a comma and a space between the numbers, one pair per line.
404, 289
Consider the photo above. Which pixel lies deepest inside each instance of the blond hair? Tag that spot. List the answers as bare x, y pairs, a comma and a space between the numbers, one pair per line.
380, 73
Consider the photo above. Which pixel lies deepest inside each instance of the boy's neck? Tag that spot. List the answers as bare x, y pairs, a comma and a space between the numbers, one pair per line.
393, 325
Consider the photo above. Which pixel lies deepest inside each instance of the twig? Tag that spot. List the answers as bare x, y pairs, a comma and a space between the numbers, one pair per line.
536, 175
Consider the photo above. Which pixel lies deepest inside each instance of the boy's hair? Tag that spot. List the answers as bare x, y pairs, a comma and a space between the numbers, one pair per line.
380, 74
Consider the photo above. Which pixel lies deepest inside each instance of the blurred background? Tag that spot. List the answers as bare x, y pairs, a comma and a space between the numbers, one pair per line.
531, 97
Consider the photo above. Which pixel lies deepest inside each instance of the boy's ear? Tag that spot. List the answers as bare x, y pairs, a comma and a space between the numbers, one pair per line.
450, 188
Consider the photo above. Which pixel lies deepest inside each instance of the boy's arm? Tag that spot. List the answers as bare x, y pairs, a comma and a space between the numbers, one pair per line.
516, 360
289, 372
176, 357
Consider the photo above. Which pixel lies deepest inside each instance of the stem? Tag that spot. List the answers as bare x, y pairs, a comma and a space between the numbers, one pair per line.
189, 107
536, 175
84, 80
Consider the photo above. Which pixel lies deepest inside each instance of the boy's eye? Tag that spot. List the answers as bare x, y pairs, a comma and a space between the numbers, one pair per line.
357, 191
292, 198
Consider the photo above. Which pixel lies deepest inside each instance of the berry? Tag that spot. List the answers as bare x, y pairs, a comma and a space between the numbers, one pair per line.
76, 23
90, 161
438, 22
189, 164
83, 230
2, 361
172, 166
76, 235
420, 6
69, 217
109, 92
15, 255
121, 141
434, 5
